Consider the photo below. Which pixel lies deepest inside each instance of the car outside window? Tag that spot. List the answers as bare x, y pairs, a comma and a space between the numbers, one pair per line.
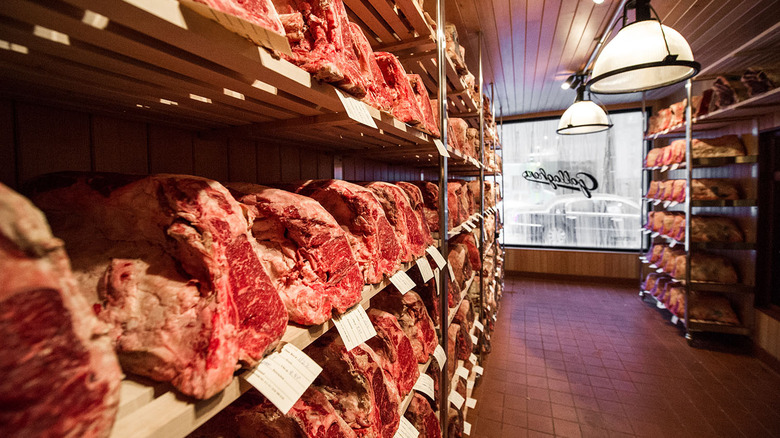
550, 199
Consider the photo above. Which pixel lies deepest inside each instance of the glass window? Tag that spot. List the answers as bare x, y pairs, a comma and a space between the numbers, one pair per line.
575, 191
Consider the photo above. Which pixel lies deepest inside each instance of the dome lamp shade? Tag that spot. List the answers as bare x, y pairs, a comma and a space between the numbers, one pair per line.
583, 117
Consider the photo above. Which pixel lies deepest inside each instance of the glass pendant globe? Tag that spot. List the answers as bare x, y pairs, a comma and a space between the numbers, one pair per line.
637, 60
583, 117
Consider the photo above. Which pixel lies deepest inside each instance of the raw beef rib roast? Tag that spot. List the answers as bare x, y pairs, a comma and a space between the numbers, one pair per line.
399, 213
359, 212
394, 350
413, 318
422, 417
363, 394
304, 251
405, 106
418, 205
60, 376
176, 272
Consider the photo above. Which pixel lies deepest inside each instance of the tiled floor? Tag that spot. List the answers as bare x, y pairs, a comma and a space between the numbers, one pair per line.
590, 360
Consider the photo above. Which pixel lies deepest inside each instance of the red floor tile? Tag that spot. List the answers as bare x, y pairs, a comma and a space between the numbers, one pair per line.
564, 364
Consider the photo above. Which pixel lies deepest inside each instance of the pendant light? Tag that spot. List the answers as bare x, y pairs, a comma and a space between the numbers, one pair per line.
644, 55
583, 116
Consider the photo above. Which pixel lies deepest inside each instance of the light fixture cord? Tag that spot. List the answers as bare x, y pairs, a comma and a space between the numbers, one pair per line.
663, 34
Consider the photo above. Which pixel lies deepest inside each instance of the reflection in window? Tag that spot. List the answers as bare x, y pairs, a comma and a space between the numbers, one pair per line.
547, 184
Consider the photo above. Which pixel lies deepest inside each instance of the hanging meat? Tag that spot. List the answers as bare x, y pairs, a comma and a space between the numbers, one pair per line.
304, 251
358, 211
60, 374
173, 269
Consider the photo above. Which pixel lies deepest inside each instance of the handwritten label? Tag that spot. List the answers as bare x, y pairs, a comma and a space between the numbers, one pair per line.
283, 376
356, 110
425, 385
582, 181
473, 359
440, 355
402, 282
406, 429
425, 269
456, 399
354, 326
478, 325
437, 257
471, 403
462, 372
440, 147
466, 428
478, 370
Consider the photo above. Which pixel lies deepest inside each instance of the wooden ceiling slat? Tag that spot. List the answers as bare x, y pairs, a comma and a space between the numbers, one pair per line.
518, 54
566, 16
547, 34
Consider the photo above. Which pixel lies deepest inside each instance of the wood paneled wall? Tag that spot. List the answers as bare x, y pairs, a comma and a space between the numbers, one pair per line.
767, 334
37, 139
573, 263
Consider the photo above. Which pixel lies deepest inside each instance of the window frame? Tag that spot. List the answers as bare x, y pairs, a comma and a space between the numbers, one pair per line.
644, 243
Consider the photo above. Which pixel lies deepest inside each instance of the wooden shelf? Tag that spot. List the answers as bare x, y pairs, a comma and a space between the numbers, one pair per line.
707, 203
709, 162
152, 409
161, 61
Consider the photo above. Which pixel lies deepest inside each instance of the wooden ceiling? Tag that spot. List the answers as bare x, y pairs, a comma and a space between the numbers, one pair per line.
531, 46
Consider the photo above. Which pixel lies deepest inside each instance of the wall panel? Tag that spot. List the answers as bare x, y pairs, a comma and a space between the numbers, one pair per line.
51, 140
7, 144
767, 335
573, 263
268, 162
170, 150
309, 168
291, 163
119, 145
211, 159
242, 161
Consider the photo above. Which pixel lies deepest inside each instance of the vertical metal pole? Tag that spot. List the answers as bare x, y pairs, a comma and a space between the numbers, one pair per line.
645, 207
441, 62
688, 177
482, 300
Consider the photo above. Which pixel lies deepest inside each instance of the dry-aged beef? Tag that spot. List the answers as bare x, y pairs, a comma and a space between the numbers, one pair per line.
422, 417
363, 394
464, 315
358, 211
259, 12
378, 93
456, 215
459, 135
326, 49
175, 268
60, 376
405, 107
304, 251
723, 93
427, 292
463, 344
311, 416
430, 123
394, 350
452, 339
399, 213
418, 205
430, 194
458, 257
454, 423
470, 242
756, 81
413, 318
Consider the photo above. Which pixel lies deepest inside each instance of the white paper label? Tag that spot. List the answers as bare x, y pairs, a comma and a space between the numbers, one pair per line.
672, 243
656, 202
282, 377
440, 146
437, 257
478, 325
666, 204
646, 231
452, 273
495, 317
675, 319
456, 399
673, 204
659, 270
474, 339
406, 429
674, 166
425, 385
462, 372
402, 282
440, 355
437, 275
473, 359
466, 428
467, 226
425, 269
478, 370
471, 402
664, 168
354, 326
654, 234
356, 110
660, 305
